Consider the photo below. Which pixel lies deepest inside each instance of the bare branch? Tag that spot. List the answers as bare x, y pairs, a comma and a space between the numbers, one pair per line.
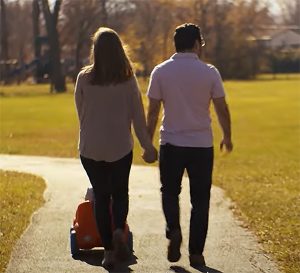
56, 11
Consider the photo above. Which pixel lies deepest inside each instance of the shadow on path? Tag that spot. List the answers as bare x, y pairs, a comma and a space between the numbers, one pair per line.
203, 269
178, 269
95, 256
206, 269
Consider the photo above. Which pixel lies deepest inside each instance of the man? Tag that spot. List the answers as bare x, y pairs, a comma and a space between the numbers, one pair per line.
185, 86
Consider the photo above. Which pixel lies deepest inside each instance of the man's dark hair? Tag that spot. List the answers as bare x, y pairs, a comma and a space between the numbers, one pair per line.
186, 35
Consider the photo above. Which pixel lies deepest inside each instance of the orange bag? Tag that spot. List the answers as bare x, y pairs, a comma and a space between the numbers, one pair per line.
84, 234
84, 224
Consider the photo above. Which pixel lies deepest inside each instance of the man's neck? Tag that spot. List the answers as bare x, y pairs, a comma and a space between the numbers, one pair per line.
190, 51
187, 51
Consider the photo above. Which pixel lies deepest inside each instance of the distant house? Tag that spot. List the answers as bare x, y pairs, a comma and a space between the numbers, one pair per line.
279, 47
284, 39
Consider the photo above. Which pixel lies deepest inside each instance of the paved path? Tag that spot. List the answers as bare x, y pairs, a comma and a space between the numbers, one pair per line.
44, 246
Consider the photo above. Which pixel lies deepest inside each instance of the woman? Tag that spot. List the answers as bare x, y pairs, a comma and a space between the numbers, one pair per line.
108, 102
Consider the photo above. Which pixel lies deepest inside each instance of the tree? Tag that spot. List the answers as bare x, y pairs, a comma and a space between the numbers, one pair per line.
152, 25
17, 35
104, 14
79, 22
245, 57
147, 27
290, 11
51, 18
145, 31
80, 19
36, 38
227, 26
3, 42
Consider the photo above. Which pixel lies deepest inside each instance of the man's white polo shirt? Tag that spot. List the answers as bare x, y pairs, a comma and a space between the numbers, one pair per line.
186, 86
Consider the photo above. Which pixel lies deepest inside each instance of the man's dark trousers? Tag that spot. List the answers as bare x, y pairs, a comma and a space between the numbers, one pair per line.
198, 162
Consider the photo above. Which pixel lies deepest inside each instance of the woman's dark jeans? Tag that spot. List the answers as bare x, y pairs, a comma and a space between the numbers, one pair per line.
110, 185
198, 162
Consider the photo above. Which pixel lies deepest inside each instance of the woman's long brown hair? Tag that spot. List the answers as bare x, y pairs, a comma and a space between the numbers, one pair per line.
109, 62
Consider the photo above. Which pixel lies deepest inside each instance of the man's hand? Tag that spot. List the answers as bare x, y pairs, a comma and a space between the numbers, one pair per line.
150, 155
227, 143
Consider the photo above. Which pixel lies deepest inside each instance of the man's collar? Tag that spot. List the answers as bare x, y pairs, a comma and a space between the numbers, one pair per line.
185, 55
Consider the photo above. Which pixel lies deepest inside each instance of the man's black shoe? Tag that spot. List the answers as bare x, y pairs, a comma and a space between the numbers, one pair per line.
197, 260
174, 246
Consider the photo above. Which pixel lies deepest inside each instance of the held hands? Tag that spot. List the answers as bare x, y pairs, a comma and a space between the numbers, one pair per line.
150, 155
227, 143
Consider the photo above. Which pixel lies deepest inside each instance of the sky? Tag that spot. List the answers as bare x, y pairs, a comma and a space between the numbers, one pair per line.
274, 7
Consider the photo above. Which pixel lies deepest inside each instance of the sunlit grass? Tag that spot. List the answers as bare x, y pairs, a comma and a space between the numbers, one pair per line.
284, 76
44, 124
21, 194
261, 175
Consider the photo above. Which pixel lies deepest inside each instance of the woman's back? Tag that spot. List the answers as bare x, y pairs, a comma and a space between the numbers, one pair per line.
105, 114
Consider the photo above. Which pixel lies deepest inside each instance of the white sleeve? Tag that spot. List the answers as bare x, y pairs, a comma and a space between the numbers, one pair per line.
217, 90
154, 90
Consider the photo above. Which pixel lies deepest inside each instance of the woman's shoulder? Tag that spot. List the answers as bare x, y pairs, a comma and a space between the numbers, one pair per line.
127, 84
132, 84
84, 74
132, 81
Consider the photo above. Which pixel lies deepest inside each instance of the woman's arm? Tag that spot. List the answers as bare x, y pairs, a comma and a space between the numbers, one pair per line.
78, 95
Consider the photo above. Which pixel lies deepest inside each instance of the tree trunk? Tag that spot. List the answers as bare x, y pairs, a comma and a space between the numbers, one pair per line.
104, 16
78, 63
3, 43
36, 40
56, 75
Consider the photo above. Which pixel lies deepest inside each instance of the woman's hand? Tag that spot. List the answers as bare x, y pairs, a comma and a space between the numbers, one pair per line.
150, 155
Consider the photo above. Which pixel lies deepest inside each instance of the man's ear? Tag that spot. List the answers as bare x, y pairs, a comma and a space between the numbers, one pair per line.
196, 45
198, 48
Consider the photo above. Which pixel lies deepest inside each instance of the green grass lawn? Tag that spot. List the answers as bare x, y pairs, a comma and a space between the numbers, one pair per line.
261, 175
21, 194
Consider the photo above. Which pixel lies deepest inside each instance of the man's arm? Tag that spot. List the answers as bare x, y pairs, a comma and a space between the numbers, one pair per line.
223, 114
152, 116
